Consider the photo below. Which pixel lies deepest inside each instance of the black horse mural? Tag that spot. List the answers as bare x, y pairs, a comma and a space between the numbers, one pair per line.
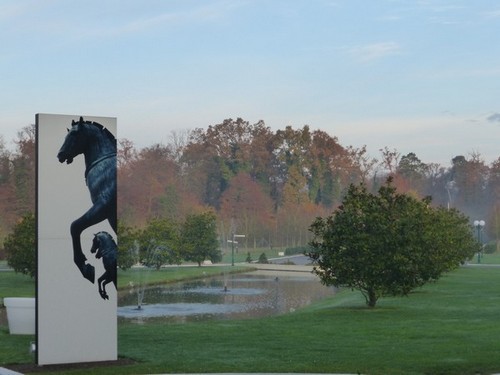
98, 146
105, 248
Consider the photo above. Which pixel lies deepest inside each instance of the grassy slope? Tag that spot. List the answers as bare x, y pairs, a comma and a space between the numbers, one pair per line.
449, 327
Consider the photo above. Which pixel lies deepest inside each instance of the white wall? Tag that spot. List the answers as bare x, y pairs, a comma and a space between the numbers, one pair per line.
74, 324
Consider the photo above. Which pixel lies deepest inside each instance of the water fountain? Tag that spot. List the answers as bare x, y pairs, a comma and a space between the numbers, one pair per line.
140, 296
144, 276
237, 296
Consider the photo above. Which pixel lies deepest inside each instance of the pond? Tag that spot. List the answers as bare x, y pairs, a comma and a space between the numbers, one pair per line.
238, 296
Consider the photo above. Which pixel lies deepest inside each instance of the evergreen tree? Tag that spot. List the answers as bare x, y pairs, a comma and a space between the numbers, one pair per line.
20, 246
388, 243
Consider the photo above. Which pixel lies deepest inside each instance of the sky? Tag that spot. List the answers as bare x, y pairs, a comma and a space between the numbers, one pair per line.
414, 76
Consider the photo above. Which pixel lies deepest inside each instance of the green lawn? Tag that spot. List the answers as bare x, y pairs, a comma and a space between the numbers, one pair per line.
487, 259
16, 285
172, 274
450, 327
241, 254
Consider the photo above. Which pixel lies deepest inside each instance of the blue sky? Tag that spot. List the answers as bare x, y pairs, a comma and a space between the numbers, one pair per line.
416, 76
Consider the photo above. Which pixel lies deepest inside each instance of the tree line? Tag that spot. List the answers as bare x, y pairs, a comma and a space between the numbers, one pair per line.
269, 185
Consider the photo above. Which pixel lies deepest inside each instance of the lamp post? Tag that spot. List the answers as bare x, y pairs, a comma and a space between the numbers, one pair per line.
233, 241
479, 224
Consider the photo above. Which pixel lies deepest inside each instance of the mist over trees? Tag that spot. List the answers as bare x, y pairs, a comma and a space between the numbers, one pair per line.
268, 185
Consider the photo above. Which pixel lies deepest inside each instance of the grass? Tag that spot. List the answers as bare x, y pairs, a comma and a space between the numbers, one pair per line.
241, 254
449, 327
172, 274
487, 259
16, 285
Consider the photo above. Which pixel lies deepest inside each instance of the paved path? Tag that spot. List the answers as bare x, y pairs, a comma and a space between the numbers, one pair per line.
4, 371
283, 267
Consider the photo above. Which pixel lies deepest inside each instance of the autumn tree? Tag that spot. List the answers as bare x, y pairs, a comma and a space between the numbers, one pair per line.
7, 192
270, 184
214, 156
246, 203
493, 192
470, 176
23, 170
150, 179
388, 244
260, 163
389, 159
413, 170
362, 162
295, 198
328, 165
17, 179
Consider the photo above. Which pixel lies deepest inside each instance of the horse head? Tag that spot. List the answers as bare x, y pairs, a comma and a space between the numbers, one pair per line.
97, 244
73, 143
102, 243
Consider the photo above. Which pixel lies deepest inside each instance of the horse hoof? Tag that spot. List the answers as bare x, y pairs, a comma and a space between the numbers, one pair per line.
89, 273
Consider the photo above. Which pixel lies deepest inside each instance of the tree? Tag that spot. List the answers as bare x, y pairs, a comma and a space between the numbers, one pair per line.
470, 178
23, 172
198, 238
144, 179
128, 248
413, 170
20, 246
390, 159
247, 203
263, 259
388, 244
7, 192
158, 243
493, 220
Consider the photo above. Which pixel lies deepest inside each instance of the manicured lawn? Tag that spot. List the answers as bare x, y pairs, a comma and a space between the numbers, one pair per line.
172, 274
450, 327
15, 285
487, 259
241, 254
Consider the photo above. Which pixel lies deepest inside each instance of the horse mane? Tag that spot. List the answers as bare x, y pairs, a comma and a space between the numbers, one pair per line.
108, 134
105, 234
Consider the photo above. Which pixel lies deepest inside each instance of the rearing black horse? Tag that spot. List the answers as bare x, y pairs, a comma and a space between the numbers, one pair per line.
104, 248
98, 146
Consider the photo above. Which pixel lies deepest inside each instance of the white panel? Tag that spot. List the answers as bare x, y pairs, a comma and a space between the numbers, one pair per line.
74, 323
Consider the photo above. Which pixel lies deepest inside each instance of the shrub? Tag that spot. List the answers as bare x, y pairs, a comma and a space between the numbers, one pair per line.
20, 246
490, 247
263, 259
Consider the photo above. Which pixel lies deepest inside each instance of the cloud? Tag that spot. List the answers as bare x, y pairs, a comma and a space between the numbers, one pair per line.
12, 10
102, 21
206, 12
492, 14
375, 51
495, 117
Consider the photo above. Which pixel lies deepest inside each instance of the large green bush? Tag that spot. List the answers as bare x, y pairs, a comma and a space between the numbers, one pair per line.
20, 247
388, 244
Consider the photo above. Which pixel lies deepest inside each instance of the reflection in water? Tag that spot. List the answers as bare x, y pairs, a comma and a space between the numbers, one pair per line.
238, 296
